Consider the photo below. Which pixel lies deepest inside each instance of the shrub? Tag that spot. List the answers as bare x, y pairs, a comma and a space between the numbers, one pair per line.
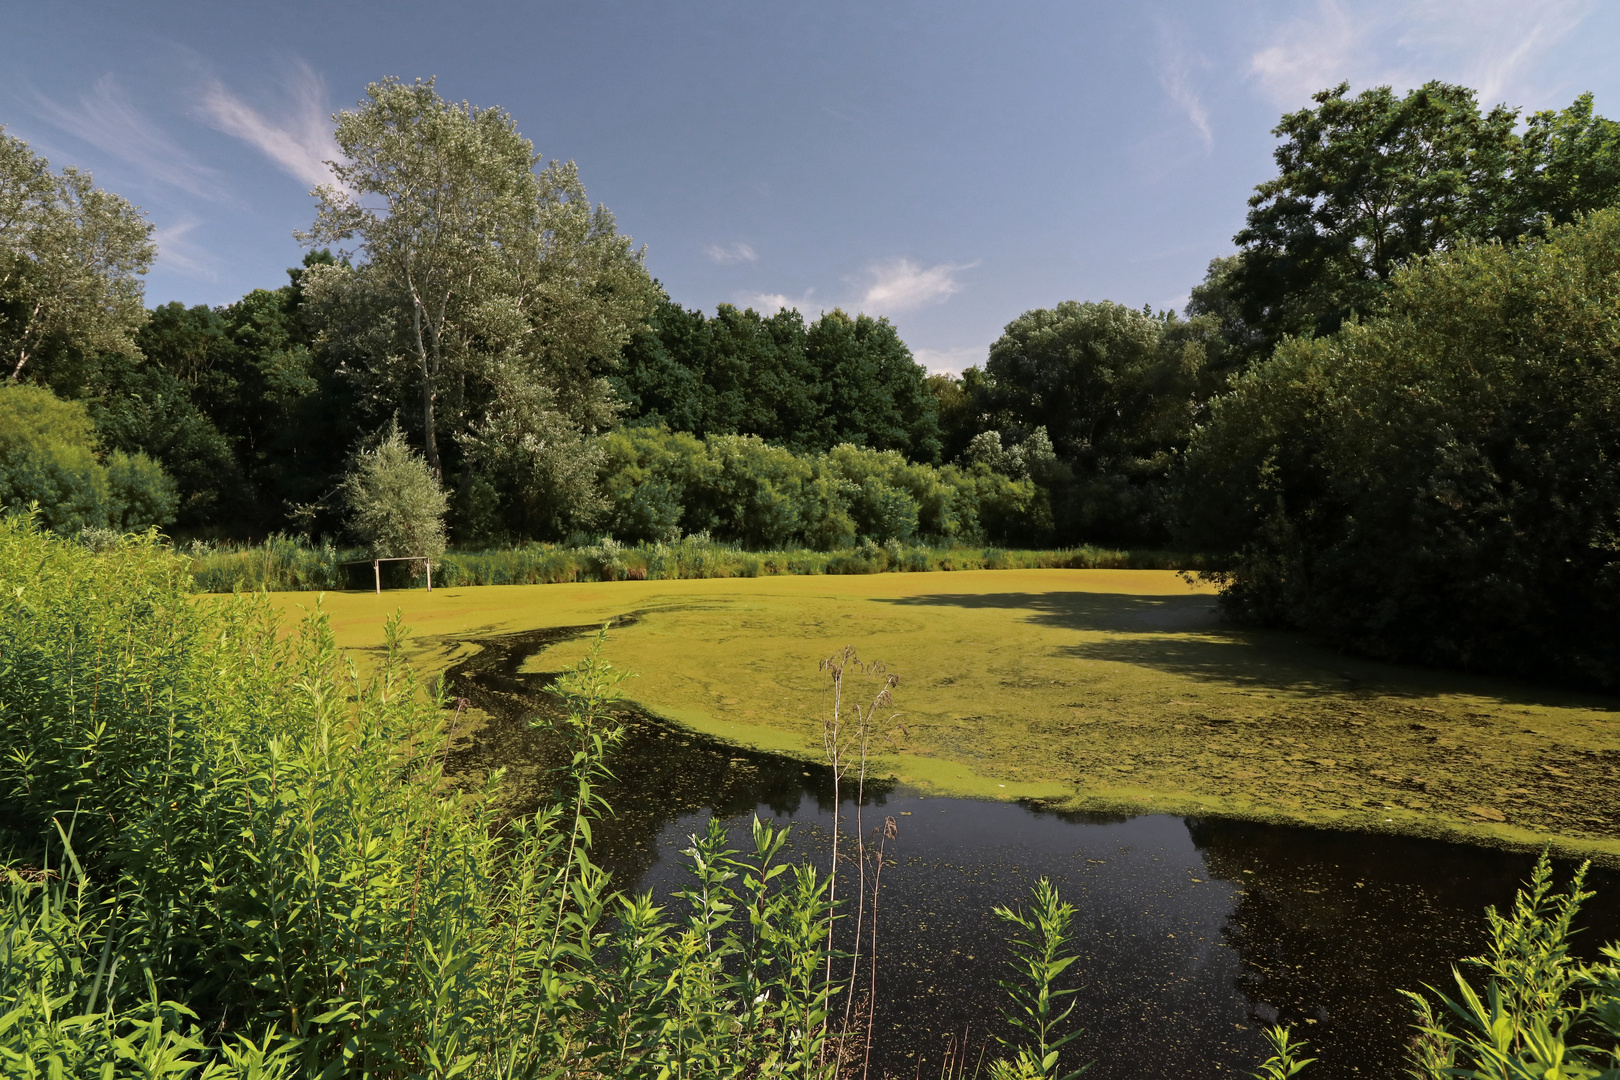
1436, 484
48, 457
395, 505
743, 490
142, 494
271, 874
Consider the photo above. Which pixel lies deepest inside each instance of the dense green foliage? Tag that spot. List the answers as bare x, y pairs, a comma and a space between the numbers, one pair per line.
232, 402
1437, 482
236, 405
1367, 183
49, 458
662, 485
839, 380
1099, 399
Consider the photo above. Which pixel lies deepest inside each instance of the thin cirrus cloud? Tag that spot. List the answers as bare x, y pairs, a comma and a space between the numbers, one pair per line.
1178, 65
1457, 40
182, 256
300, 143
107, 119
731, 254
1476, 32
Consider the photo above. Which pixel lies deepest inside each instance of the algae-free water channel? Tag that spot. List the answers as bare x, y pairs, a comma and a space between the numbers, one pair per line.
1193, 934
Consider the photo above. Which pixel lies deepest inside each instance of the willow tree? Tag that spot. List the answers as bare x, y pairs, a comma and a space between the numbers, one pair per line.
483, 284
71, 260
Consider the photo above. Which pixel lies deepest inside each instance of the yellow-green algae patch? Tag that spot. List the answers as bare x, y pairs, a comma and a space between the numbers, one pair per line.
1103, 689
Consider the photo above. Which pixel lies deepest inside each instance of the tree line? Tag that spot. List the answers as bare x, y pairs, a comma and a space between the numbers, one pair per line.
1386, 411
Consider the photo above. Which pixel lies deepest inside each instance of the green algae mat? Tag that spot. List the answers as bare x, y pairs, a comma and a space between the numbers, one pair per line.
1113, 690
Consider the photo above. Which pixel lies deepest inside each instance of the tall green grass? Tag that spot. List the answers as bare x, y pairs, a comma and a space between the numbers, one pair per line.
285, 564
231, 852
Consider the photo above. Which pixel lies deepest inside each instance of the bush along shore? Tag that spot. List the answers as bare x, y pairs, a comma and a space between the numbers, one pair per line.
283, 564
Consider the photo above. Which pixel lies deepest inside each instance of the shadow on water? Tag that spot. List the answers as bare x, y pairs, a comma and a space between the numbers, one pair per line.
1194, 933
664, 774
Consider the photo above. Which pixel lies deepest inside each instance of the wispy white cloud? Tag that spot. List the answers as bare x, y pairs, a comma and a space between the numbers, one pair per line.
300, 142
886, 288
107, 119
1493, 46
1177, 65
183, 256
770, 303
1475, 32
902, 285
731, 254
1310, 53
949, 361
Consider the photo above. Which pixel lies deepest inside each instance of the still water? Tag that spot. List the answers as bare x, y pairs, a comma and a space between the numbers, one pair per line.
1193, 933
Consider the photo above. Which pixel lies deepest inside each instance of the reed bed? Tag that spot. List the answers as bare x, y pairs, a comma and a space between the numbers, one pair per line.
285, 564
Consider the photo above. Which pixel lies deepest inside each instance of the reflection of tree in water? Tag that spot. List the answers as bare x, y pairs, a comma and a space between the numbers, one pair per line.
1328, 924
665, 773
1041, 808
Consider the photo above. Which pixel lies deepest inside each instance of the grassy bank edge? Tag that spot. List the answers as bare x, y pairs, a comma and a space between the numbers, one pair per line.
947, 778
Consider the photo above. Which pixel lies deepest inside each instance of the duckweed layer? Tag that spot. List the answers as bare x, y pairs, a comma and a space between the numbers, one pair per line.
1086, 689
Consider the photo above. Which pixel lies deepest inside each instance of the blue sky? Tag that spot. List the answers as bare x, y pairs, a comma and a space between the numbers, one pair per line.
947, 165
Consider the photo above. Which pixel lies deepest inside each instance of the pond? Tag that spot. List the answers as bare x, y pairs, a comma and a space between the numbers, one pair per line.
1193, 933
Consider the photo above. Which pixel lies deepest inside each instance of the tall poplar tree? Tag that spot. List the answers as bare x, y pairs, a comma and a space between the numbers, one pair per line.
481, 286
71, 260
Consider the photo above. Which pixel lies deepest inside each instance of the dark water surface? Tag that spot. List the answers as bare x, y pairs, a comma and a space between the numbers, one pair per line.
1193, 933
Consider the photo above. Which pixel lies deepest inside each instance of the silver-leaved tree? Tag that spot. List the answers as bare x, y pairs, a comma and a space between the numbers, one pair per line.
395, 504
71, 260
482, 289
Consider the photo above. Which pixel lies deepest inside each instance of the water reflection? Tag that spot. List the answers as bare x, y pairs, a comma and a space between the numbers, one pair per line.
1193, 933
